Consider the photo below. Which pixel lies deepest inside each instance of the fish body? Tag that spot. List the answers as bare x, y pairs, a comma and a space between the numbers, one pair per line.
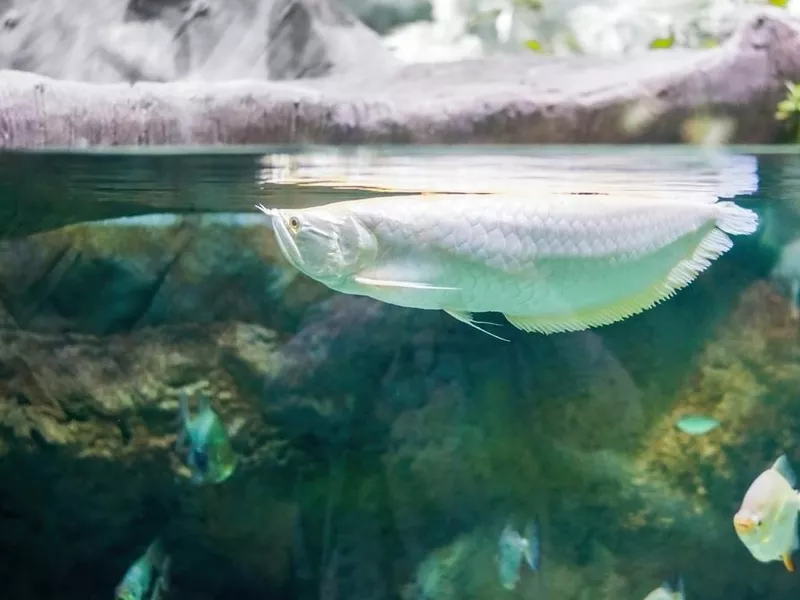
205, 443
557, 262
766, 521
667, 591
697, 424
146, 578
513, 549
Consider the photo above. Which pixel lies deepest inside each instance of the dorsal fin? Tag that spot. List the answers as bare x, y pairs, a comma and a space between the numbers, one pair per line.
782, 466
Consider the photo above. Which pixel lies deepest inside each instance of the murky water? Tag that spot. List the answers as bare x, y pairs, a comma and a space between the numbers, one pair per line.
359, 450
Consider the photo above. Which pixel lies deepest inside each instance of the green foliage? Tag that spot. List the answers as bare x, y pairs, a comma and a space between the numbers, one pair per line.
789, 109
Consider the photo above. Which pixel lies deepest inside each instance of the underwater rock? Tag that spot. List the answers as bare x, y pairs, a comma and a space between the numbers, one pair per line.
124, 274
642, 98
382, 449
165, 40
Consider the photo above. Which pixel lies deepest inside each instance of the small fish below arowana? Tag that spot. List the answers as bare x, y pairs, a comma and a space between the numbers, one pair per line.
668, 591
696, 424
513, 548
554, 262
204, 443
147, 578
766, 522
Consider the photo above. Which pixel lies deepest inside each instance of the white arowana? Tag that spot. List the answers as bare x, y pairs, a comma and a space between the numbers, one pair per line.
549, 262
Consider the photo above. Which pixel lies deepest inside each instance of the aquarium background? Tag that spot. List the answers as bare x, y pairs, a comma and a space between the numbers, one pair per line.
382, 449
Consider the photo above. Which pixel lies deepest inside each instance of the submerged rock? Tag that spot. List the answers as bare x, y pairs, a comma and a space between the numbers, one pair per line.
382, 449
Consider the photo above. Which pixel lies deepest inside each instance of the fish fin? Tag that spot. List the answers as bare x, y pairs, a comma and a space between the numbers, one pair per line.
183, 409
714, 244
736, 220
782, 466
164, 577
533, 548
155, 553
787, 561
408, 285
180, 441
204, 402
467, 318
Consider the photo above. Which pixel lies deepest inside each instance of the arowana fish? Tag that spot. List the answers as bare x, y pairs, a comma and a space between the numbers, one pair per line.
766, 522
550, 263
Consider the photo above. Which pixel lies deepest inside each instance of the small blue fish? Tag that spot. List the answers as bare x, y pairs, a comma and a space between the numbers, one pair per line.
697, 424
513, 548
149, 573
209, 453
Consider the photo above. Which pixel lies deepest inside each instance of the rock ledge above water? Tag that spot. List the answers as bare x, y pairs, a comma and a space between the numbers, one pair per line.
498, 100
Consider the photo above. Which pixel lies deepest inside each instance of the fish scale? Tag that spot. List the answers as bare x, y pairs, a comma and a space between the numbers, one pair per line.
548, 262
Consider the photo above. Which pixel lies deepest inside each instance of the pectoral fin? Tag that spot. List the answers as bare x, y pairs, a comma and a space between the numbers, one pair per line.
407, 285
787, 561
467, 318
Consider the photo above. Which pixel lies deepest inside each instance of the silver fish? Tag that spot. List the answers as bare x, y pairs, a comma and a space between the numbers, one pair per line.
513, 548
149, 573
766, 522
551, 263
205, 443
697, 424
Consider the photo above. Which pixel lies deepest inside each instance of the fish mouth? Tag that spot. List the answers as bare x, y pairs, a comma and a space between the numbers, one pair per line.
743, 525
285, 240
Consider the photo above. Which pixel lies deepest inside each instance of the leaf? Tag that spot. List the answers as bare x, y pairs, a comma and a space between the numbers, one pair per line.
779, 3
662, 43
709, 43
534, 45
787, 106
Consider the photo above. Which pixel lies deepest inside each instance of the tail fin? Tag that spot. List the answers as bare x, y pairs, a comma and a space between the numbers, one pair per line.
737, 174
735, 220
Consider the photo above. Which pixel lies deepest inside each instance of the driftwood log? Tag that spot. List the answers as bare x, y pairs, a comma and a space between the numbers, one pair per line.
528, 99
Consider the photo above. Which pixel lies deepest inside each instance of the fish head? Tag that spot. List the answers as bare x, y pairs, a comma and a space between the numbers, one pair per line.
126, 592
324, 243
755, 518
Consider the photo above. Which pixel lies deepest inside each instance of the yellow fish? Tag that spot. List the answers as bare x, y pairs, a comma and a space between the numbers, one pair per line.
549, 262
766, 522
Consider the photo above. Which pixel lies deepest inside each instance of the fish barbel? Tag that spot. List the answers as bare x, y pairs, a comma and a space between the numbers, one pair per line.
549, 263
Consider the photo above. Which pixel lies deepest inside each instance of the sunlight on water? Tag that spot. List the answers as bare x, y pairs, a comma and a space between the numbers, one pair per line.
191, 406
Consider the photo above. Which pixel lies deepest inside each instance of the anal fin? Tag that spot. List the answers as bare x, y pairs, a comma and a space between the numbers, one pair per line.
787, 561
467, 318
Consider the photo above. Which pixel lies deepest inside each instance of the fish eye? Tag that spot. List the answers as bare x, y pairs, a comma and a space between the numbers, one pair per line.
294, 224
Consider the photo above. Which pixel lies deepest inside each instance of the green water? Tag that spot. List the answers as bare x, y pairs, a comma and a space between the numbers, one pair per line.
381, 450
